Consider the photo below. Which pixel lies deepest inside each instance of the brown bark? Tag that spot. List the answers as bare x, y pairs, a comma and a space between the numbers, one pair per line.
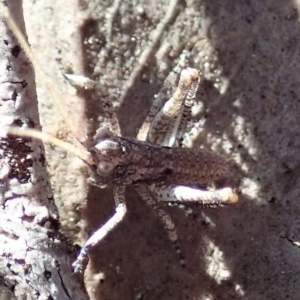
35, 259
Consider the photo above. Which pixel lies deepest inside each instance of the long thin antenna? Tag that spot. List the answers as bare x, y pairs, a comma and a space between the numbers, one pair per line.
47, 138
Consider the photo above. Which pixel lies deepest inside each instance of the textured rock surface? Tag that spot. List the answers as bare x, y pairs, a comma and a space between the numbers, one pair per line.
249, 51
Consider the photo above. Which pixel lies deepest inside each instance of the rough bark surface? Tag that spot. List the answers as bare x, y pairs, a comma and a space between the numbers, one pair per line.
35, 259
248, 51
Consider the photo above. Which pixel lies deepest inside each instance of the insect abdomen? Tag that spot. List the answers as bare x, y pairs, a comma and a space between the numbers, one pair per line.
152, 163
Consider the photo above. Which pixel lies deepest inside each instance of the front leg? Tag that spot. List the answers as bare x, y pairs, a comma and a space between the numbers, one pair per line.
81, 262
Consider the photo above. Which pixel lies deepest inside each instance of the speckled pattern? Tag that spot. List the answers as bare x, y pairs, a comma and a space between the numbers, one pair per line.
249, 52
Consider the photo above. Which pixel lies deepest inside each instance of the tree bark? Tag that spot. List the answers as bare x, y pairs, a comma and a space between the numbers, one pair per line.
35, 258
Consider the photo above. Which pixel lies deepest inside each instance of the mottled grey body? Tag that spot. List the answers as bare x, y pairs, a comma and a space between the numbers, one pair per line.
135, 161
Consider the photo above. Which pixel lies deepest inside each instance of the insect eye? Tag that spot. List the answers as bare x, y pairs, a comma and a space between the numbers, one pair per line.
105, 168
